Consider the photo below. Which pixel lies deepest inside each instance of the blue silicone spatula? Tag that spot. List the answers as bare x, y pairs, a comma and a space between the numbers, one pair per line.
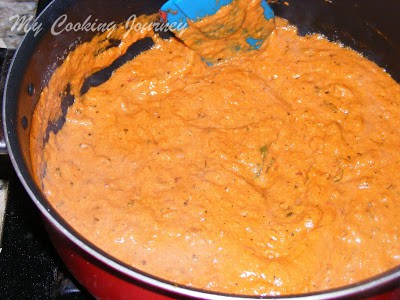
232, 29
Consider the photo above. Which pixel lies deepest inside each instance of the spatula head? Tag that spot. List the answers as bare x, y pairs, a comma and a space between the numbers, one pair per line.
237, 25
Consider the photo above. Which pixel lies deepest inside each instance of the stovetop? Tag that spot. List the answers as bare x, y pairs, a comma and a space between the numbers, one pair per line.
29, 266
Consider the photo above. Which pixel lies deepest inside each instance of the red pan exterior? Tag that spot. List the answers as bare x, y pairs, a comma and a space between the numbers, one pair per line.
107, 285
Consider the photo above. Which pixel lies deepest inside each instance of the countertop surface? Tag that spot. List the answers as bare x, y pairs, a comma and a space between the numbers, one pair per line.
15, 19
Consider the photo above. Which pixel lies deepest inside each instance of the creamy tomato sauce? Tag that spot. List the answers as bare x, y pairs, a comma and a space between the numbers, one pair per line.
275, 172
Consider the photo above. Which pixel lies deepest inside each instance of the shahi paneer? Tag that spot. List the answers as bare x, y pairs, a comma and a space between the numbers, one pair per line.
273, 172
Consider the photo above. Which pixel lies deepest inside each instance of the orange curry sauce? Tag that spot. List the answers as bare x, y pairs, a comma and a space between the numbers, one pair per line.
275, 172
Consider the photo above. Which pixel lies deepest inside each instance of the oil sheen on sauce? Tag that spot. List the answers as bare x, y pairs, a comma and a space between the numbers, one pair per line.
276, 172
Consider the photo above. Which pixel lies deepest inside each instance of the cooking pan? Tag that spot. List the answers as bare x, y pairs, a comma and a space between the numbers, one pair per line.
366, 26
